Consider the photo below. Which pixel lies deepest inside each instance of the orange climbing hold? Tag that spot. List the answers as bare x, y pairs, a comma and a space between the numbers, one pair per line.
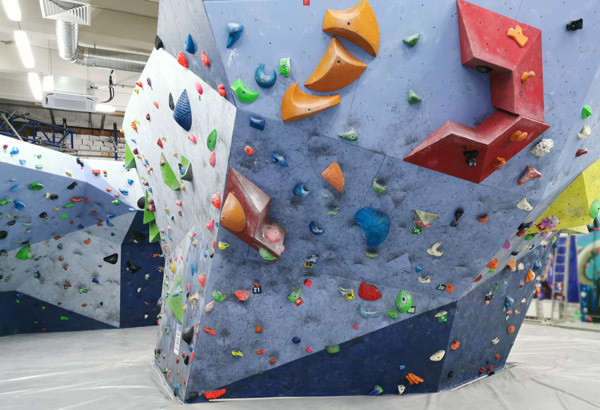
357, 24
512, 265
499, 162
455, 345
261, 351
413, 379
248, 150
526, 75
296, 105
511, 329
182, 60
449, 288
272, 361
493, 265
530, 276
518, 136
233, 216
210, 331
517, 35
334, 175
214, 394
242, 295
483, 219
258, 329
87, 241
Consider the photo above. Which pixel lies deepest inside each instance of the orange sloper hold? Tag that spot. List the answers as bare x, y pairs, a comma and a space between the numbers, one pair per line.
296, 105
357, 24
530, 276
337, 69
233, 216
334, 175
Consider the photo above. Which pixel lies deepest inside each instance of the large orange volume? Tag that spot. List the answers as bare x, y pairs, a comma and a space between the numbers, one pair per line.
233, 216
296, 105
357, 24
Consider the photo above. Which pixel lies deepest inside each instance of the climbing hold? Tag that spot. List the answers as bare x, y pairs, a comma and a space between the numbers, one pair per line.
401, 389
3, 234
333, 212
24, 253
190, 47
234, 32
374, 224
499, 162
580, 152
413, 97
185, 169
266, 255
524, 205
233, 216
257, 122
542, 148
296, 105
594, 209
275, 157
366, 314
159, 143
392, 314
347, 293
377, 390
455, 345
368, 291
493, 265
19, 205
411, 41
334, 175
206, 63
248, 150
530, 173
158, 43
294, 295
518, 136
526, 75
187, 334
112, 259
300, 190
437, 356
337, 69
182, 60
413, 379
214, 394
457, 215
483, 218
512, 265
377, 187
72, 186
471, 157
433, 251
265, 80
315, 228
285, 66
211, 140
586, 111
36, 186
517, 35
511, 329
357, 24
332, 349
530, 276
242, 295
424, 219
404, 301
215, 200
349, 135
585, 132
425, 279
183, 112
575, 25
243, 93
219, 296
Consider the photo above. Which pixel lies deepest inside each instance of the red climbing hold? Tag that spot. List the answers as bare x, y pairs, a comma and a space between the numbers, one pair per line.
242, 295
159, 143
202, 278
368, 292
205, 59
261, 351
307, 282
222, 92
580, 152
215, 200
214, 394
212, 160
182, 60
308, 349
248, 150
210, 331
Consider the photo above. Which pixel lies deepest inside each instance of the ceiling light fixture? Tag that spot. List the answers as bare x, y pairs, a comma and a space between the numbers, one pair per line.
12, 9
24, 47
36, 85
105, 108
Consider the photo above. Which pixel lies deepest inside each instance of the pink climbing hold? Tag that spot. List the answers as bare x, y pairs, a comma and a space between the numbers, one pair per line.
178, 202
199, 88
506, 245
530, 173
272, 234
156, 105
210, 225
215, 200
192, 138
212, 160
205, 59
355, 326
308, 349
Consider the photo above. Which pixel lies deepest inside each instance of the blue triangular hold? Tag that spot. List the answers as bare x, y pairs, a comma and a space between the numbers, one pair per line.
190, 47
234, 32
183, 112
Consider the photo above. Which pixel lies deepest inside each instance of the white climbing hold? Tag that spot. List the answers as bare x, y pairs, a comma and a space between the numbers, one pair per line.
495, 341
585, 132
521, 266
441, 313
524, 205
425, 279
433, 251
209, 306
542, 148
437, 356
401, 388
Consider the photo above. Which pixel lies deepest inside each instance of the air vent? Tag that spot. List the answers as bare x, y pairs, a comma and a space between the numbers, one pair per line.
64, 93
66, 10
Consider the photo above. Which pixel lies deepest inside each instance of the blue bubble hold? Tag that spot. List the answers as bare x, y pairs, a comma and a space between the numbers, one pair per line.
419, 268
234, 32
257, 122
296, 339
19, 205
275, 158
375, 225
183, 112
300, 190
190, 47
316, 228
265, 80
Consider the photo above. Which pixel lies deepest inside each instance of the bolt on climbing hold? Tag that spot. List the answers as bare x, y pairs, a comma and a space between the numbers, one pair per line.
248, 150
315, 228
517, 35
586, 111
349, 135
285, 66
374, 224
294, 295
367, 314
278, 158
377, 390
526, 75
404, 301
347, 293
234, 32
471, 158
530, 173
219, 296
300, 190
483, 218
585, 132
334, 175
437, 356
243, 93
457, 215
332, 349
264, 80
524, 205
411, 41
377, 187
413, 97
518, 136
433, 251
182, 60
499, 162
575, 25
257, 122
413, 379
580, 152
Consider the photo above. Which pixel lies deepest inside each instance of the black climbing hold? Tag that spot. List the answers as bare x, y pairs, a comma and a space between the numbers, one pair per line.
157, 350
3, 252
575, 25
491, 373
525, 226
43, 215
133, 268
112, 258
24, 243
54, 197
296, 340
186, 361
450, 374
514, 253
72, 186
80, 162
188, 334
171, 102
158, 43
3, 234
59, 246
471, 158
457, 215
137, 236
193, 395
141, 202
12, 222
483, 69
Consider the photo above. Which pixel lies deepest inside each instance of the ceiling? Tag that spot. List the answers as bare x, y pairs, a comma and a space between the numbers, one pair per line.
121, 25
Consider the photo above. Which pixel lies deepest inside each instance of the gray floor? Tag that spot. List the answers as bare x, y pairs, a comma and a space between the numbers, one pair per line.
549, 368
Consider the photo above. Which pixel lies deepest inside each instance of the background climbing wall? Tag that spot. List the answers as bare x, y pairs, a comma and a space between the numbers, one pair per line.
289, 356
69, 238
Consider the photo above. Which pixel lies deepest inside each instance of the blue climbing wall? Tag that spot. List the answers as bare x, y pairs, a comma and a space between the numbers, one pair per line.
224, 350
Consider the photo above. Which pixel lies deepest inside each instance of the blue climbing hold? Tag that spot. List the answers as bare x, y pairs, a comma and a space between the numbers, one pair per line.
15, 187
315, 228
300, 190
123, 191
80, 226
190, 47
14, 151
296, 339
95, 280
130, 181
19, 205
275, 158
22, 162
183, 112
257, 122
265, 80
375, 225
419, 268
537, 264
234, 32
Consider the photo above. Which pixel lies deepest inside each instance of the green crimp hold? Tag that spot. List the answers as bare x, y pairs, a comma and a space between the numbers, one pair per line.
404, 301
175, 299
334, 212
129, 158
413, 97
586, 111
148, 216
294, 295
64, 216
266, 255
70, 204
392, 313
169, 177
153, 232
64, 318
377, 187
219, 296
285, 66
243, 93
595, 209
36, 186
4, 201
211, 141
411, 41
24, 253
349, 135
332, 349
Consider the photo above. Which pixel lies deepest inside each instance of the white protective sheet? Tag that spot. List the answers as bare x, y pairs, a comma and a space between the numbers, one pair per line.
549, 368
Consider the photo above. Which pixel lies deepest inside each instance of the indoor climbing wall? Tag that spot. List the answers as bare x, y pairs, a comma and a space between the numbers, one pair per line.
72, 241
342, 190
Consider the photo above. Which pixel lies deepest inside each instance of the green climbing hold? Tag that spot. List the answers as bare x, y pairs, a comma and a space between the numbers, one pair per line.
69, 204
39, 166
285, 66
334, 212
4, 201
371, 254
175, 299
411, 41
332, 349
377, 390
36, 186
211, 141
129, 158
64, 216
377, 187
244, 94
586, 112
529, 237
116, 202
24, 253
392, 313
168, 176
595, 209
266, 255
349, 135
413, 97
64, 318
219, 296
294, 295
404, 301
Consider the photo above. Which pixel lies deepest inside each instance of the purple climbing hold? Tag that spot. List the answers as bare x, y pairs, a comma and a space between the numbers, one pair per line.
183, 112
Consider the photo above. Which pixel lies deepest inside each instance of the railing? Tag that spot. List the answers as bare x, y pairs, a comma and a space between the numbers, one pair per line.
49, 137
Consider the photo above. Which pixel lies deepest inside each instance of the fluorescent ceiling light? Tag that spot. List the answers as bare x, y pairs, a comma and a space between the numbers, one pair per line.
105, 108
24, 48
36, 85
12, 9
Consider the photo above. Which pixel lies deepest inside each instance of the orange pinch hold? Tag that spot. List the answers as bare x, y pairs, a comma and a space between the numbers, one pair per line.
493, 264
518, 136
517, 35
337, 69
261, 351
530, 276
296, 105
413, 379
334, 175
214, 394
357, 24
210, 331
526, 75
512, 265
87, 241
499, 162
455, 345
233, 216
